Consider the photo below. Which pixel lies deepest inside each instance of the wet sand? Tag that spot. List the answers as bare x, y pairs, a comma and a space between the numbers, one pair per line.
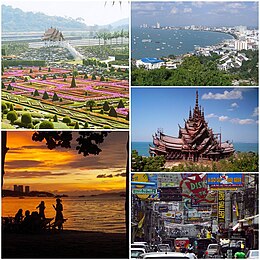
64, 244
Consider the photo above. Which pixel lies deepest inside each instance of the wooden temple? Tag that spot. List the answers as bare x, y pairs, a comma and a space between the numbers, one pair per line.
196, 141
52, 34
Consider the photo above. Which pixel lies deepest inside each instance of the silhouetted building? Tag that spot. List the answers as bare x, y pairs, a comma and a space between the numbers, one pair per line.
20, 188
15, 188
27, 189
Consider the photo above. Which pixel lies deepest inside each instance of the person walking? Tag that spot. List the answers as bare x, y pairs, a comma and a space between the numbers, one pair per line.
59, 215
41, 208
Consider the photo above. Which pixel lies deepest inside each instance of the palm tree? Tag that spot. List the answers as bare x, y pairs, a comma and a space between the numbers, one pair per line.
116, 35
90, 104
122, 34
99, 36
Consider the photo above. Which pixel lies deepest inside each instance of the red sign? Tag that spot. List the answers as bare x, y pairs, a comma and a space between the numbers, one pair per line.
197, 185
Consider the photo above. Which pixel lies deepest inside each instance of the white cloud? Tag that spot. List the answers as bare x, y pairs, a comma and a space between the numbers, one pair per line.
234, 105
242, 121
211, 116
174, 10
187, 10
223, 118
197, 4
233, 94
256, 112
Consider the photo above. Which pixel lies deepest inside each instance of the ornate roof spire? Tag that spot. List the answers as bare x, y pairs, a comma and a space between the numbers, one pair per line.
190, 116
197, 99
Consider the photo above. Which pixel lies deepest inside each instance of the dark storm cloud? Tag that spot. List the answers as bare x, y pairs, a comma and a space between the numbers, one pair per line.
123, 174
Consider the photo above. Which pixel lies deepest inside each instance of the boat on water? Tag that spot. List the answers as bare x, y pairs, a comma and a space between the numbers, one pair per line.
157, 42
146, 40
158, 49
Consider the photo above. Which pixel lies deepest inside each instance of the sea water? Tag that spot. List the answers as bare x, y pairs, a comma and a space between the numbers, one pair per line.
147, 42
143, 147
104, 214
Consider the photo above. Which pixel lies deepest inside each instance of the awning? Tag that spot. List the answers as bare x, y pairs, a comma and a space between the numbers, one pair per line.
236, 227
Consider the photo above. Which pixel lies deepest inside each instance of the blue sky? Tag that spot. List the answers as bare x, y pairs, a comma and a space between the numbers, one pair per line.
209, 13
234, 111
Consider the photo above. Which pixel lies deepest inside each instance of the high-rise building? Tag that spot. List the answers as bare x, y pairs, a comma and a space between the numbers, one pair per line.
240, 45
27, 189
20, 188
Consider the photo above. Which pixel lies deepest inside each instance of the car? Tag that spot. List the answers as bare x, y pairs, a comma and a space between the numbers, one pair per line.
136, 252
163, 248
202, 245
164, 255
213, 251
252, 254
141, 245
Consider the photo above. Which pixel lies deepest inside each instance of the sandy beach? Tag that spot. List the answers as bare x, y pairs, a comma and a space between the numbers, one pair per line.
64, 244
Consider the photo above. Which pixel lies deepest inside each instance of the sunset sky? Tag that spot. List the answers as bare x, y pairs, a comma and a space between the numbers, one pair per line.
64, 170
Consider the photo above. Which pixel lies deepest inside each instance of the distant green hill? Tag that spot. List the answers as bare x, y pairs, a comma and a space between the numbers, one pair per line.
16, 20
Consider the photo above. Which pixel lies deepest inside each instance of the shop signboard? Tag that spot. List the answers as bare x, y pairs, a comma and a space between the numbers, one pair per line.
221, 207
144, 185
224, 181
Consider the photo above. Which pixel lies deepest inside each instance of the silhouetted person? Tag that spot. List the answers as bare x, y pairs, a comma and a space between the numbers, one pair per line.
27, 221
35, 221
59, 215
41, 208
18, 216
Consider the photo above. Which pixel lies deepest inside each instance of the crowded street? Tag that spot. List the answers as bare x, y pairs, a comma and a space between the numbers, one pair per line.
194, 215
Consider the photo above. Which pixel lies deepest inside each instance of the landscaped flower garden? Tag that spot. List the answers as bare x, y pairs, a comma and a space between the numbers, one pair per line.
54, 98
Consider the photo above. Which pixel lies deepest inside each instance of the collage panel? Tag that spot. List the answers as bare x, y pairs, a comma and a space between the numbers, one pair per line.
194, 129
194, 43
65, 194
65, 65
194, 215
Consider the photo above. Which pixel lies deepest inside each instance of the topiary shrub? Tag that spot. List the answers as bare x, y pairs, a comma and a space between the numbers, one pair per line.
3, 85
86, 76
55, 97
44, 77
93, 77
120, 104
3, 106
86, 125
36, 93
13, 80
61, 100
11, 107
102, 78
55, 118
54, 76
30, 126
106, 106
73, 83
45, 95
9, 87
66, 120
76, 125
12, 116
112, 112
36, 121
46, 125
101, 112
26, 119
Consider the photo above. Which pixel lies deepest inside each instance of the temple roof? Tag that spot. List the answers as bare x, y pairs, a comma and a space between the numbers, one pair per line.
195, 137
52, 34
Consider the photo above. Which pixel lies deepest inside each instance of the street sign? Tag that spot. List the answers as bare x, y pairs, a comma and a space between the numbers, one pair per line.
144, 191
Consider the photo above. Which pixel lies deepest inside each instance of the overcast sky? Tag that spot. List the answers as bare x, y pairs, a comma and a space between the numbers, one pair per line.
98, 12
208, 13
